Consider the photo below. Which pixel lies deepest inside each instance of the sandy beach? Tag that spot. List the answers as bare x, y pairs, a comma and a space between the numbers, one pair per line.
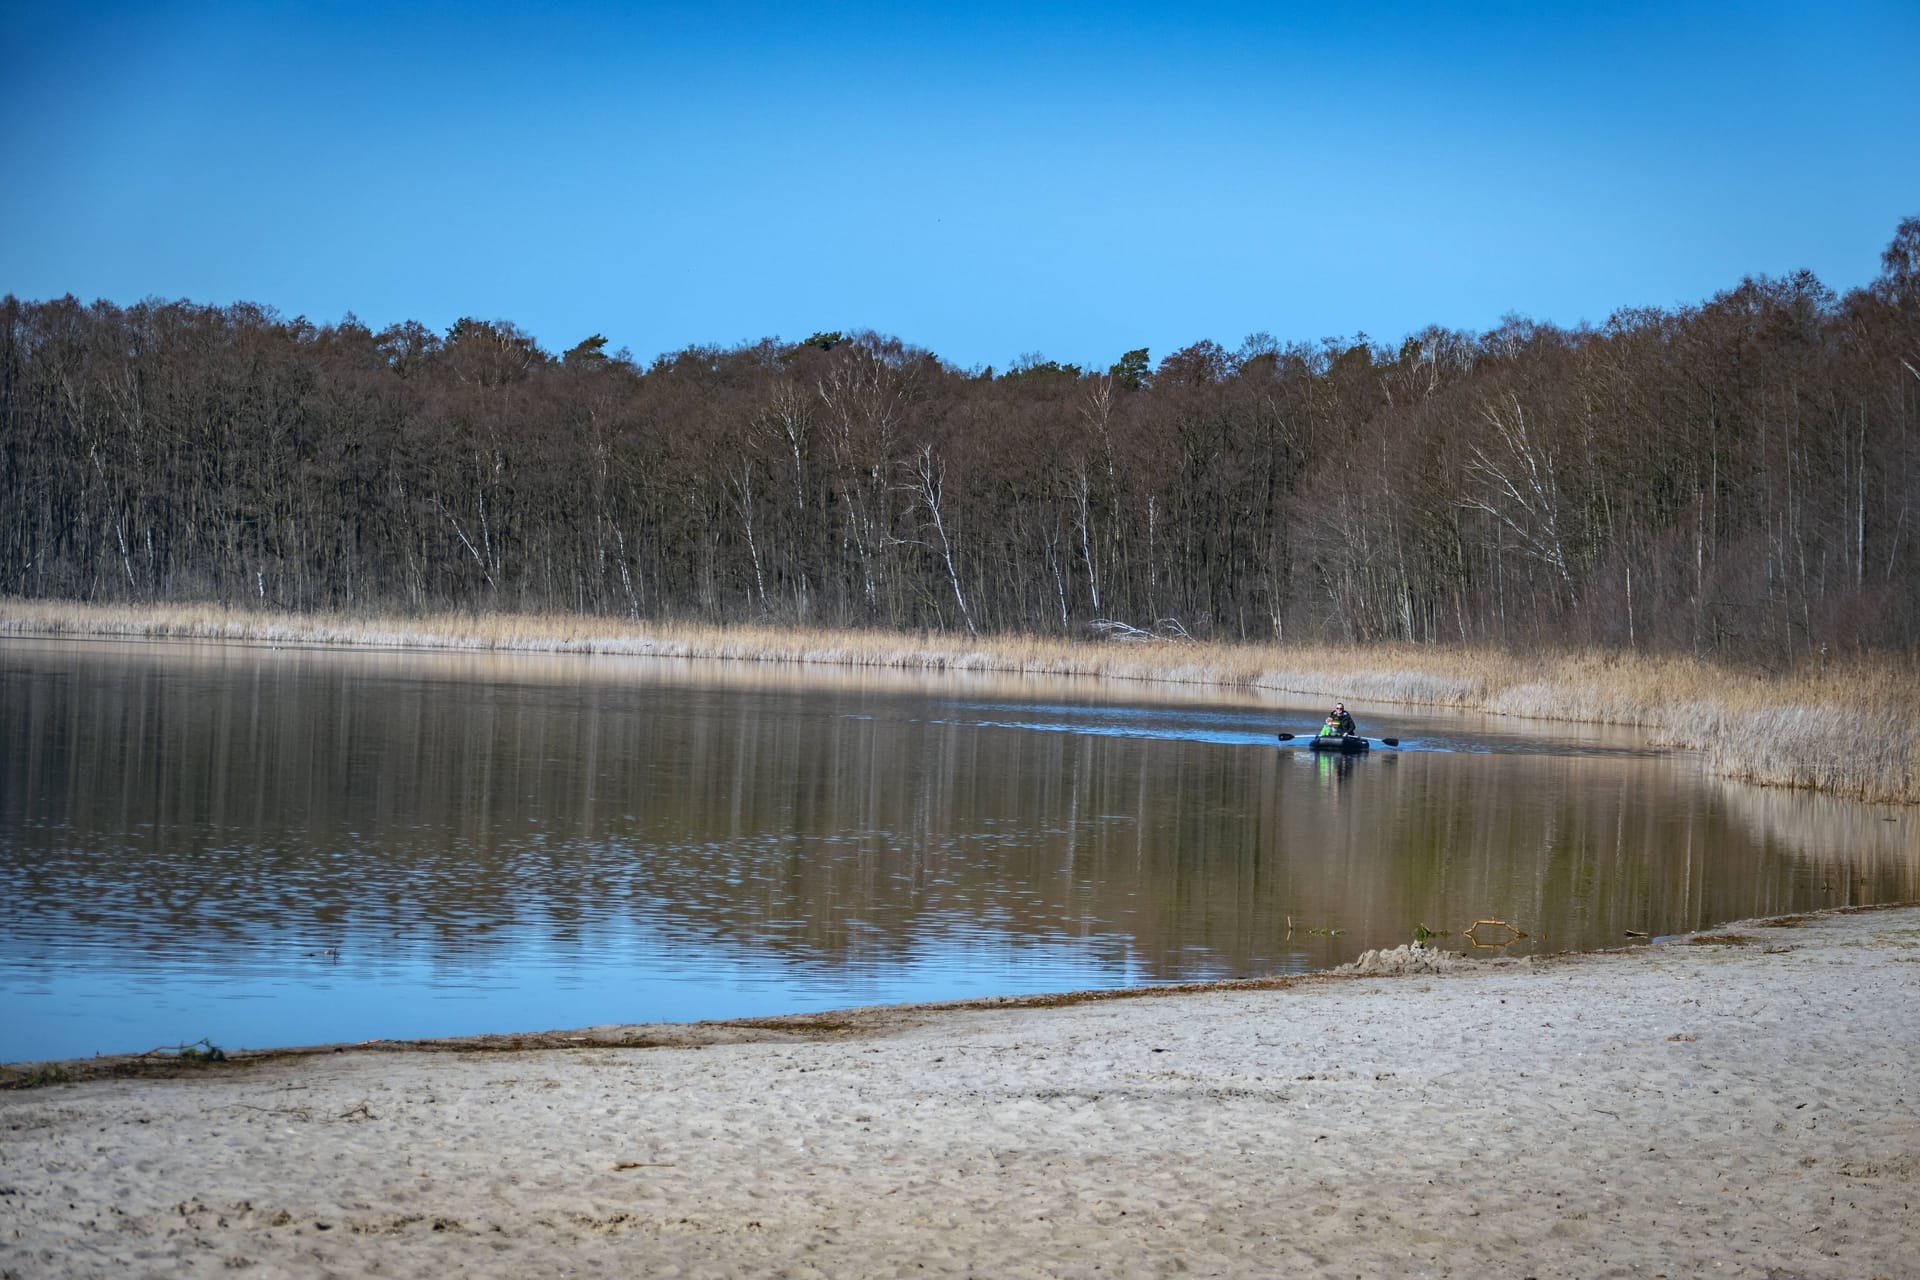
1743, 1103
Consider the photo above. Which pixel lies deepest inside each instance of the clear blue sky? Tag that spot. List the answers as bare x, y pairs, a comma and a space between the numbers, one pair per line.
986, 181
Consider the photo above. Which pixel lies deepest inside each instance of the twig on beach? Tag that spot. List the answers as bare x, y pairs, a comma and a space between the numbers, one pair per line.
201, 1050
643, 1164
297, 1113
1474, 937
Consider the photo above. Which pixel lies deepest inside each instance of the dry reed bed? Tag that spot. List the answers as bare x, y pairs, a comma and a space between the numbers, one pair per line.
1852, 730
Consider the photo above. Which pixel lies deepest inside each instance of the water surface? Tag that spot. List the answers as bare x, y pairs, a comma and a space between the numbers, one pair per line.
267, 846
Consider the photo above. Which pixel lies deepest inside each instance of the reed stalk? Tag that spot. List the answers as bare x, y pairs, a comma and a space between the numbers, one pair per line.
1850, 730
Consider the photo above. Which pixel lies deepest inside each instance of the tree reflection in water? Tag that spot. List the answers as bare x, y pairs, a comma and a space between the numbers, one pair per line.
576, 838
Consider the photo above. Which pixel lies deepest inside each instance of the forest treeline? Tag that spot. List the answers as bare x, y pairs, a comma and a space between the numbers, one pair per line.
1736, 479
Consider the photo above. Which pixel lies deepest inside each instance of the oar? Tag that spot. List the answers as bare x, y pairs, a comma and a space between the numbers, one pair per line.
1284, 737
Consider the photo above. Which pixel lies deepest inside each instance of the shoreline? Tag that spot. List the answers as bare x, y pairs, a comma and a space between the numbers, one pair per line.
877, 1018
1852, 732
1740, 1102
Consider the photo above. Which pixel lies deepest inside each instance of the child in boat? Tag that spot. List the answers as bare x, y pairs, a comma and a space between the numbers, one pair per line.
1331, 729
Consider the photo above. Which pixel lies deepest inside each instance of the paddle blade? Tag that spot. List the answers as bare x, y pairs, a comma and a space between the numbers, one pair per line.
1283, 736
1392, 742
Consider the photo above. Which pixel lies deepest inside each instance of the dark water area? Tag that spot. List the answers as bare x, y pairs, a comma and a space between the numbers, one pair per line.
268, 847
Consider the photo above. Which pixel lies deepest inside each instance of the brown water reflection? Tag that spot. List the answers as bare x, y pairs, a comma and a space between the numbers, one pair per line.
488, 842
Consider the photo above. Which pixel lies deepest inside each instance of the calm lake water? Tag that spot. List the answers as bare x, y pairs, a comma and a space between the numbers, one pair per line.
269, 847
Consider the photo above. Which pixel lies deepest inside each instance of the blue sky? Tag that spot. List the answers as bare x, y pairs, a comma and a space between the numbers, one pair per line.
986, 181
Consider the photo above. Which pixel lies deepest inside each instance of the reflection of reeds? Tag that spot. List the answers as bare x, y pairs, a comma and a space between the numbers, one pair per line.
1852, 730
1843, 839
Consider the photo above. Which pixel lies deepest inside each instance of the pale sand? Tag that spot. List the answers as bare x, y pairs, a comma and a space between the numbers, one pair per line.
1679, 1110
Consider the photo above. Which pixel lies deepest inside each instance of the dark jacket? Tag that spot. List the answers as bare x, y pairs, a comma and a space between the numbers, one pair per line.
1344, 720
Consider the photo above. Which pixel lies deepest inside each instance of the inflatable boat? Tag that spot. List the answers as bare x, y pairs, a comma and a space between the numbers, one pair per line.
1346, 742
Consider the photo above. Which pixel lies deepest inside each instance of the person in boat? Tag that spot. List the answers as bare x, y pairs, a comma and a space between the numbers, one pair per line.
1331, 729
1342, 719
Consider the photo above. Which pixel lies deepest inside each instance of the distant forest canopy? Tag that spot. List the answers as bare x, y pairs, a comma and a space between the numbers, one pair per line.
1736, 479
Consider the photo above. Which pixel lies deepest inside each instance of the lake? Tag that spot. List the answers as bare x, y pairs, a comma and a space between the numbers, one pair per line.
265, 846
